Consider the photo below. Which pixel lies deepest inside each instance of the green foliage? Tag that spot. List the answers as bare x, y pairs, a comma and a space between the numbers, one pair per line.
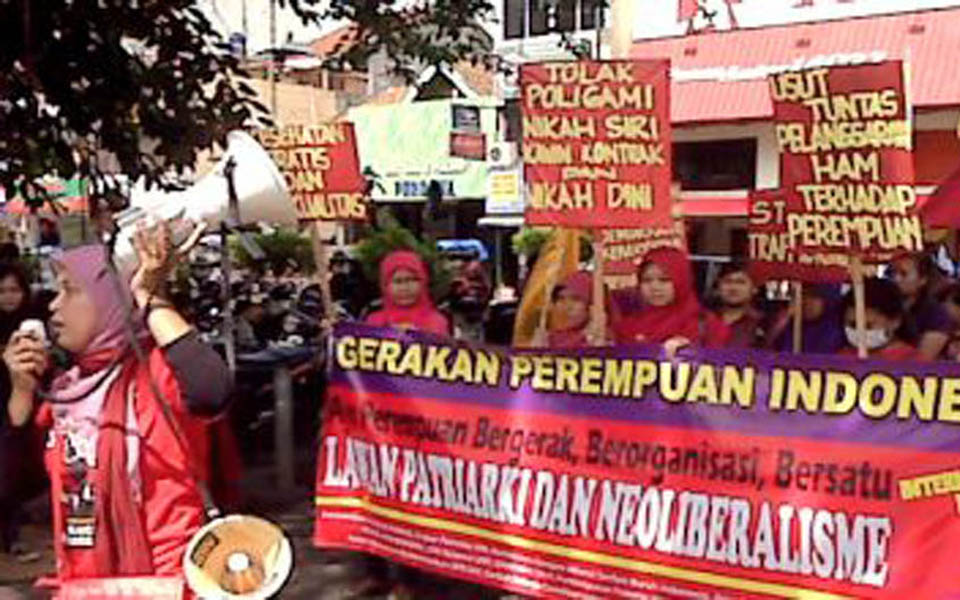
410, 35
143, 86
391, 236
529, 240
281, 247
81, 79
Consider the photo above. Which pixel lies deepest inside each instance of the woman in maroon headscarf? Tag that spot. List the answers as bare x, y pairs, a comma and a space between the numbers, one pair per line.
125, 482
570, 312
669, 313
405, 292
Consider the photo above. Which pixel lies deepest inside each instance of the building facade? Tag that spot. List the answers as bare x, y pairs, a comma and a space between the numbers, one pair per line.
721, 53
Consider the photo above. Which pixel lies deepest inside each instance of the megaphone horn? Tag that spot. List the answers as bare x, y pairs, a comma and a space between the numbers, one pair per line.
260, 189
238, 556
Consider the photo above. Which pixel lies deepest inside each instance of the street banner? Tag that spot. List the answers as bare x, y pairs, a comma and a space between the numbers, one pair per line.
617, 473
596, 143
772, 252
623, 249
844, 135
321, 168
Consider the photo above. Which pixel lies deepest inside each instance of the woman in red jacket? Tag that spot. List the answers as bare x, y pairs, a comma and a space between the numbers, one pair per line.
124, 481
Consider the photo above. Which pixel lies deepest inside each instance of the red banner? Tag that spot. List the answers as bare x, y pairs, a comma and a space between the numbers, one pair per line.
844, 135
320, 165
596, 143
618, 473
771, 249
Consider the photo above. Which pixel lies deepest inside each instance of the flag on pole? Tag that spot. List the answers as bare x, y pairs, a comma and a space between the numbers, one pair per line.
559, 257
942, 209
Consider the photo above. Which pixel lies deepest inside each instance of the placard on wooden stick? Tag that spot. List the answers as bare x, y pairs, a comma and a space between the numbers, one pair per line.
597, 143
846, 166
321, 168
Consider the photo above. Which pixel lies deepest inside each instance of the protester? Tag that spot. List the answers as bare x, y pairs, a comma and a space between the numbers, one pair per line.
348, 287
882, 335
20, 464
822, 322
125, 484
914, 274
949, 297
736, 293
14, 299
405, 290
469, 297
250, 316
670, 311
570, 312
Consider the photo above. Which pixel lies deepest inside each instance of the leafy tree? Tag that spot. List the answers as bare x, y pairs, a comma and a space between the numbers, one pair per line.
282, 247
139, 87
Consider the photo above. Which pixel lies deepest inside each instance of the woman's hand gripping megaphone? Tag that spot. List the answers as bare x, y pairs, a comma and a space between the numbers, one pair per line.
157, 256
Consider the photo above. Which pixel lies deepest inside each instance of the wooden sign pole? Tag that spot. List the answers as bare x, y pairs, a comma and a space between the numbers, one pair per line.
860, 307
598, 317
321, 260
797, 317
553, 273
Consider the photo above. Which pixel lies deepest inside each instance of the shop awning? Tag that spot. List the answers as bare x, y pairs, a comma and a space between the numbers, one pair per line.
721, 76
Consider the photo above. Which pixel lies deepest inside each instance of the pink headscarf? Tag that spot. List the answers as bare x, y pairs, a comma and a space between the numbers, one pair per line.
94, 408
88, 268
422, 315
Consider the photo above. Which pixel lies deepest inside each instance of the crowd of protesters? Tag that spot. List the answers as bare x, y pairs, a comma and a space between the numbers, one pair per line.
102, 470
911, 314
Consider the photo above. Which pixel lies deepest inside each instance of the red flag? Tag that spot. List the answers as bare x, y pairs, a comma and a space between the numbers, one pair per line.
688, 10
943, 206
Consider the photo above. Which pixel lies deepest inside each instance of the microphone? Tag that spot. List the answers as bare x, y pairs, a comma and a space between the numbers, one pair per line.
34, 328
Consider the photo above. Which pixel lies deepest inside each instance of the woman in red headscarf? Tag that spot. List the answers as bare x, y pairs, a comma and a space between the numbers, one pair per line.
405, 291
670, 312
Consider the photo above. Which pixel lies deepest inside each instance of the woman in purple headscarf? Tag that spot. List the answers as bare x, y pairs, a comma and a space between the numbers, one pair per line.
125, 480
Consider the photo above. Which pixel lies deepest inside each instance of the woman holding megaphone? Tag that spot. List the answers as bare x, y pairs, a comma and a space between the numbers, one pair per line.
125, 480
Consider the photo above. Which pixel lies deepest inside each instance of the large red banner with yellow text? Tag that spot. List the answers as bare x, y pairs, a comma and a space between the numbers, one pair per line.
844, 135
596, 143
616, 473
321, 168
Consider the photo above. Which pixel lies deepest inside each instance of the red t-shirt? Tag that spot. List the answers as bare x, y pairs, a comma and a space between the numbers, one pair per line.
171, 505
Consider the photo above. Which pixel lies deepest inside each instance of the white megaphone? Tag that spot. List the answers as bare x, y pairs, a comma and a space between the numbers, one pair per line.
261, 194
238, 557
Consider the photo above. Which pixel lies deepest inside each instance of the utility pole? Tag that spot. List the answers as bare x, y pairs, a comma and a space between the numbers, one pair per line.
273, 60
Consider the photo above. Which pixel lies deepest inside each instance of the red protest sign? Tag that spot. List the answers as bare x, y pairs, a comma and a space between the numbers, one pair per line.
772, 252
321, 168
596, 143
844, 135
624, 248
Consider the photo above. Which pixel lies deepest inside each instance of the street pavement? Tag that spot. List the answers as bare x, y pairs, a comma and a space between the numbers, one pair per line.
318, 575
